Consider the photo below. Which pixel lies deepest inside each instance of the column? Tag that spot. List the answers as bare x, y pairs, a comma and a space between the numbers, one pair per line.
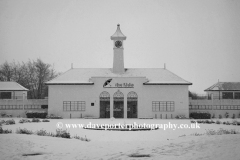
111, 107
125, 107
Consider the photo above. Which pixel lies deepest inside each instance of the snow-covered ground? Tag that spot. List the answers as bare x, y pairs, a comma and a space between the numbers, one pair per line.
159, 144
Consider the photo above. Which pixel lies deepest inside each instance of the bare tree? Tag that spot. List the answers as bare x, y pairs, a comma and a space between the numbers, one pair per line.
31, 75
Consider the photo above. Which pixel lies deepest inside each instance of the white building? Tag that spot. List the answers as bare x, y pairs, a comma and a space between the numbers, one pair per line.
118, 92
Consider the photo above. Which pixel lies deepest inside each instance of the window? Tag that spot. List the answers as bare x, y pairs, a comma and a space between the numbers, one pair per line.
163, 106
44, 106
92, 104
74, 106
237, 95
5, 95
227, 95
10, 107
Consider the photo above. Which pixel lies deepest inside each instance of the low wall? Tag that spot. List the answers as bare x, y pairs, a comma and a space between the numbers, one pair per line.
14, 107
216, 107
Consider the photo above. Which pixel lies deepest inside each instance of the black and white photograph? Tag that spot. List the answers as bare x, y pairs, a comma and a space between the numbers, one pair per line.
119, 80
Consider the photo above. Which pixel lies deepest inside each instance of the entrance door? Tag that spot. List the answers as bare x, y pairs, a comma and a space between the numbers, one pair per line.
104, 105
118, 105
132, 99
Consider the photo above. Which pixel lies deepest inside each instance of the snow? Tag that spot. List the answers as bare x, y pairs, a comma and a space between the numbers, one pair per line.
159, 144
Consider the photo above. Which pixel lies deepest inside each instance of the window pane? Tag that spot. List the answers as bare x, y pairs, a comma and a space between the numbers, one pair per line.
237, 95
227, 95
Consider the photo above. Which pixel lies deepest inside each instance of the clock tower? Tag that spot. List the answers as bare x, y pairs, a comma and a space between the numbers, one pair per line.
118, 60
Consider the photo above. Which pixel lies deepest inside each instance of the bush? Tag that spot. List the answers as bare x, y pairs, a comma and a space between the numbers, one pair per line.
218, 122
81, 138
221, 132
33, 114
213, 116
197, 115
62, 133
199, 121
36, 120
234, 122
180, 117
6, 131
228, 123
220, 116
2, 122
226, 115
42, 133
10, 122
233, 117
208, 122
23, 131
52, 116
45, 120
212, 121
24, 121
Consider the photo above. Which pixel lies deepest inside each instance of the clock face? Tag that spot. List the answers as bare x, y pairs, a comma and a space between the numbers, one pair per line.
118, 44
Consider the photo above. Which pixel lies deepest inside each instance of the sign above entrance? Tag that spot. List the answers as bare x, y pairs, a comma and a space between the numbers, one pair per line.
109, 84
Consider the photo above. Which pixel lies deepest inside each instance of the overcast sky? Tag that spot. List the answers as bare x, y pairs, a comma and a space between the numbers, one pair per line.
199, 40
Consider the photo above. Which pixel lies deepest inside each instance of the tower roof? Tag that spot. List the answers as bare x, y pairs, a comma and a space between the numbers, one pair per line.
118, 35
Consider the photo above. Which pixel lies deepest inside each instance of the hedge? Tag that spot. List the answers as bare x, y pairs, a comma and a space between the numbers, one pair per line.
33, 114
197, 115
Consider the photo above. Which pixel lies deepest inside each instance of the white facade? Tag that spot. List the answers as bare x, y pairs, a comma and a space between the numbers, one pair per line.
118, 92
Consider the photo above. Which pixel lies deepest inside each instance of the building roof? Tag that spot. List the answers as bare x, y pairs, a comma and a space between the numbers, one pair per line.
11, 86
224, 86
154, 76
118, 34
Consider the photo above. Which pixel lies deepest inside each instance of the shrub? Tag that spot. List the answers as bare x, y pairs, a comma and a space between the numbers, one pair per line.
218, 122
6, 131
197, 115
42, 133
45, 120
36, 120
3, 114
208, 122
23, 131
81, 138
197, 134
180, 117
213, 116
10, 122
2, 122
234, 122
220, 116
199, 121
33, 114
52, 116
233, 117
226, 115
62, 133
24, 121
221, 132
212, 121
228, 123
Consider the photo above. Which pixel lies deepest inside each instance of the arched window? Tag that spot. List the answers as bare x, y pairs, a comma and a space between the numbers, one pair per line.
132, 99
118, 96
104, 96
104, 105
132, 96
